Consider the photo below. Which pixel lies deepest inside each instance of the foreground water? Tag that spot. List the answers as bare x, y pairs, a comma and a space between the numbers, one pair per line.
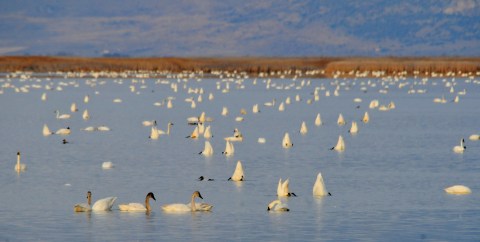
387, 185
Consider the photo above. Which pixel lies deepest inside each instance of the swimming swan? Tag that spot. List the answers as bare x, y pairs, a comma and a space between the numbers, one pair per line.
191, 207
161, 132
354, 128
194, 134
340, 144
20, 166
104, 204
318, 120
277, 206
283, 189
229, 149
208, 150
46, 131
138, 207
474, 137
154, 133
85, 115
366, 118
303, 128
319, 187
62, 116
460, 148
458, 190
84, 207
286, 142
341, 120
237, 136
208, 132
63, 131
238, 174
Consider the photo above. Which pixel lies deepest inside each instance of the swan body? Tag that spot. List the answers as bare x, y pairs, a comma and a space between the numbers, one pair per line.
46, 131
89, 129
194, 134
460, 148
138, 207
62, 116
208, 150
238, 174
261, 140
458, 190
63, 131
277, 206
224, 111
373, 104
281, 107
85, 115
255, 109
318, 120
208, 132
283, 188
44, 96
341, 120
180, 207
20, 166
474, 137
270, 104
366, 118
319, 187
303, 128
147, 123
229, 148
73, 107
237, 136
84, 207
340, 146
107, 165
104, 204
169, 104
286, 142
103, 128
354, 128
154, 133
86, 99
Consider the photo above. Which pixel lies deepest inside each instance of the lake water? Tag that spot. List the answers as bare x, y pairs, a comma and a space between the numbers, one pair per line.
386, 186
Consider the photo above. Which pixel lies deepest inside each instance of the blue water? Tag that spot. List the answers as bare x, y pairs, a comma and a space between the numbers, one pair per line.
386, 186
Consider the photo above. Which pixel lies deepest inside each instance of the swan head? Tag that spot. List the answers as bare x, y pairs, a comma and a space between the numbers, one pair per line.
150, 194
197, 194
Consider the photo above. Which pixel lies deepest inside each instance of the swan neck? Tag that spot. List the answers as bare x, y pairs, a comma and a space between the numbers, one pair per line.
193, 203
147, 203
18, 161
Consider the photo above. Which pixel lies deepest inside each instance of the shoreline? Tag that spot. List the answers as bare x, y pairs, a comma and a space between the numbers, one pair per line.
319, 67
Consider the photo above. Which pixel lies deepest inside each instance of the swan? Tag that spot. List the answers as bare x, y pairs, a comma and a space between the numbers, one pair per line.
224, 111
63, 131
20, 166
85, 115
193, 104
270, 104
319, 187
44, 96
86, 99
255, 109
303, 128
286, 142
169, 104
148, 123
46, 130
341, 120
474, 137
340, 144
354, 128
107, 165
191, 207
458, 190
237, 136
194, 134
229, 148
210, 97
366, 118
73, 108
318, 120
208, 150
297, 98
62, 116
460, 148
138, 207
281, 107
283, 189
201, 128
208, 132
161, 132
277, 206
89, 129
104, 204
154, 133
261, 140
103, 128
373, 104
84, 207
238, 174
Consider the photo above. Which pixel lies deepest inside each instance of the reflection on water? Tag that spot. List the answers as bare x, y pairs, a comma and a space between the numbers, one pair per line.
387, 184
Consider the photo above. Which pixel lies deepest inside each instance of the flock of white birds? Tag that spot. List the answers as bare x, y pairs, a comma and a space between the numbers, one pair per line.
202, 124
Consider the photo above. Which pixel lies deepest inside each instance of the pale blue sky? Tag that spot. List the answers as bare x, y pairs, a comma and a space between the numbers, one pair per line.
240, 28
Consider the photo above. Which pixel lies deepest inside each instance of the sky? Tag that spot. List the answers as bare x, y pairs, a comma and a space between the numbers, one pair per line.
213, 28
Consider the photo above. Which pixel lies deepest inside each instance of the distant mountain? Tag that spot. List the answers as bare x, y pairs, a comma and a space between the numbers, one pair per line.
240, 28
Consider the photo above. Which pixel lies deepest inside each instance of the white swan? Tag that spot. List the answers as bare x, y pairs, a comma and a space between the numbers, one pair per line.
62, 116
281, 107
366, 118
104, 204
169, 104
107, 165
354, 128
318, 120
86, 99
44, 96
63, 131
340, 144
283, 189
191, 207
208, 150
84, 207
270, 104
229, 148
103, 128
20, 166
277, 206
224, 111
208, 132
138, 207
194, 134
474, 137
46, 131
89, 129
319, 187
153, 133
161, 132
458, 190
148, 123
238, 174
237, 136
85, 115
460, 148
255, 109
303, 128
341, 120
73, 107
286, 142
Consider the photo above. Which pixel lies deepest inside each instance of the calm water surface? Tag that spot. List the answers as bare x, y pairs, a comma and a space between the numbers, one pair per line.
386, 186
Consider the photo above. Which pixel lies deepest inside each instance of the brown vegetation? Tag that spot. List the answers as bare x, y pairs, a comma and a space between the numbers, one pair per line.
325, 66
